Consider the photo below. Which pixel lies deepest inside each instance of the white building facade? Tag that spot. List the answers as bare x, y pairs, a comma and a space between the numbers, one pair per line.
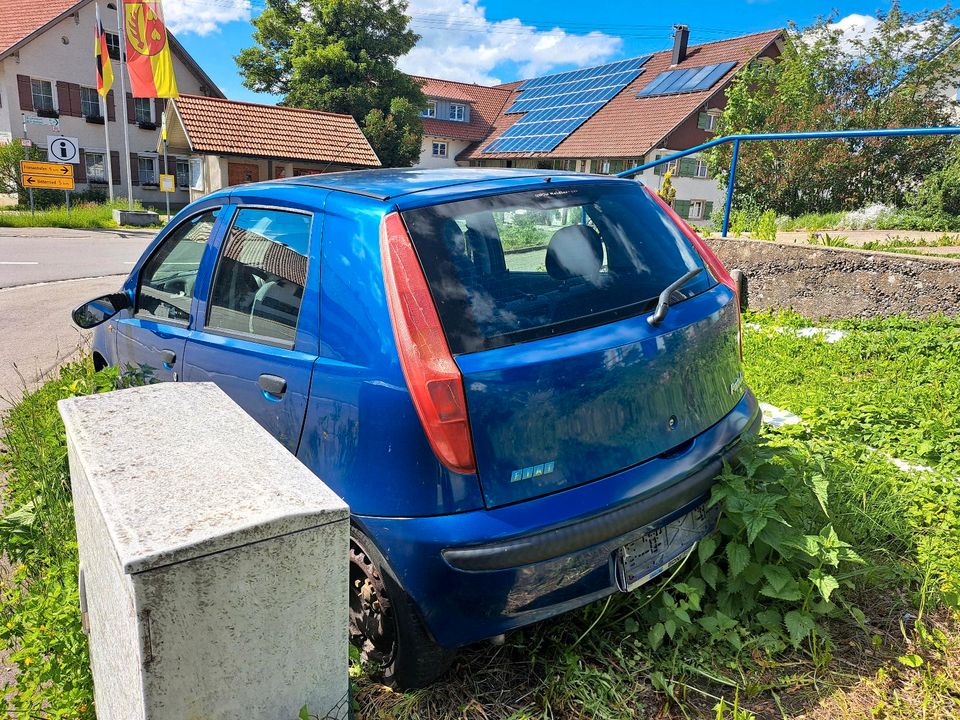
50, 74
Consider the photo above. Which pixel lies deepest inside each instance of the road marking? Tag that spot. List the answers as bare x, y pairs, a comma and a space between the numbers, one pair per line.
18, 262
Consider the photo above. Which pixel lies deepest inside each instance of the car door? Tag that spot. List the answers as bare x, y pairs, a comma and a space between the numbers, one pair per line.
255, 331
152, 334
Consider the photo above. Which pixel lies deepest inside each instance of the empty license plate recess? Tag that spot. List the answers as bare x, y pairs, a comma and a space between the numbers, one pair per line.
656, 551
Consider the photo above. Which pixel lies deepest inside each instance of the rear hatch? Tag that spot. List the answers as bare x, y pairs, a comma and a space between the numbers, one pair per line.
544, 297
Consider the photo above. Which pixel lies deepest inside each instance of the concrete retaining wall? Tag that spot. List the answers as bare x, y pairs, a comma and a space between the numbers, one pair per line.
825, 282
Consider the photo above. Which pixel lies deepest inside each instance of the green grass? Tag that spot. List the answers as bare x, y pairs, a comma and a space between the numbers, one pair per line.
82, 216
894, 220
830, 590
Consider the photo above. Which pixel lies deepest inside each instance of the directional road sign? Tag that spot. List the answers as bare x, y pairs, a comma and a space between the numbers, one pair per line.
48, 181
34, 120
36, 174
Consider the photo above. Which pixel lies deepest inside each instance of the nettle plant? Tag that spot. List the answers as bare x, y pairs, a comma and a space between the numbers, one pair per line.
773, 570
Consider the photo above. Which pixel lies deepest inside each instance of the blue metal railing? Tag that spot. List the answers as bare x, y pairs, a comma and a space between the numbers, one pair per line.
814, 135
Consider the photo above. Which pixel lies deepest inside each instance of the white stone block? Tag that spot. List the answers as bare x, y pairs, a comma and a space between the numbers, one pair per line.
214, 564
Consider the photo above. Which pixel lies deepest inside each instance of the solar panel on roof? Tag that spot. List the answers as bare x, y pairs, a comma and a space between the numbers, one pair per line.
554, 106
674, 82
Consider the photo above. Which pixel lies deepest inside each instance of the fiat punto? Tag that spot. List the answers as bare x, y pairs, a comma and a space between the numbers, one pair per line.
524, 383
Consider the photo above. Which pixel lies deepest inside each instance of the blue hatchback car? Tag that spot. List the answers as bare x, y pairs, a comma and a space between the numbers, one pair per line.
524, 383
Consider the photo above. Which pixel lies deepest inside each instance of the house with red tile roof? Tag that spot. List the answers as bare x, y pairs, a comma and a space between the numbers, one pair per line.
48, 87
603, 119
231, 142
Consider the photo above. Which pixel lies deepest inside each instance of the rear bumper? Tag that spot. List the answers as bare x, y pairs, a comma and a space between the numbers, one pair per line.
480, 573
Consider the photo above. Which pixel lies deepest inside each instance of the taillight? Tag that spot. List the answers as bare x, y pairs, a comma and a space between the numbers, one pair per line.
708, 256
433, 378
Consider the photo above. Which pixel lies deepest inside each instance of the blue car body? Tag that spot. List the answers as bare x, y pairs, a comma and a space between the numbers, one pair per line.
620, 427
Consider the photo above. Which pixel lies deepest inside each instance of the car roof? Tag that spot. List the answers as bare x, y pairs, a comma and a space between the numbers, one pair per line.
388, 183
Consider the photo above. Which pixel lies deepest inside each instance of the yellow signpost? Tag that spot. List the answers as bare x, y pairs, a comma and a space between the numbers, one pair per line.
36, 167
168, 184
47, 176
48, 182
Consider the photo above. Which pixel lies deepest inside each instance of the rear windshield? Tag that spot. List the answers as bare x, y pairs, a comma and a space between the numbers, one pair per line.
524, 266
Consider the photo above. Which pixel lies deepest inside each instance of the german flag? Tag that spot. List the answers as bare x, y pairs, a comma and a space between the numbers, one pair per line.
102, 54
148, 50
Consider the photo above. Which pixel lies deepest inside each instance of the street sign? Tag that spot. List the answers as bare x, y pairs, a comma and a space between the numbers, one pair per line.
36, 167
26, 142
63, 149
34, 120
168, 183
48, 181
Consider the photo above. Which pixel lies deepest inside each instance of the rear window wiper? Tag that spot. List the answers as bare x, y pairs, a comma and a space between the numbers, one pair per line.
663, 302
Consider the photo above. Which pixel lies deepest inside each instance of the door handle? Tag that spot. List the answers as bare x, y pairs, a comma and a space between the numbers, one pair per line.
168, 357
273, 385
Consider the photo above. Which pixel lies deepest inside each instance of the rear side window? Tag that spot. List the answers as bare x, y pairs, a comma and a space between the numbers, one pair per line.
524, 266
260, 276
168, 277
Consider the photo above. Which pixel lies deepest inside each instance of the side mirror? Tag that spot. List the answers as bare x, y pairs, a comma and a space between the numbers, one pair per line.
740, 278
93, 312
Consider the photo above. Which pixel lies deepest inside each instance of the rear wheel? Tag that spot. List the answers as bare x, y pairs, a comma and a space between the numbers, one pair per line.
394, 646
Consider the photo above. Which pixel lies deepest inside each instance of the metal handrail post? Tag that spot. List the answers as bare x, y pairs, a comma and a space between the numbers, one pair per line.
730, 182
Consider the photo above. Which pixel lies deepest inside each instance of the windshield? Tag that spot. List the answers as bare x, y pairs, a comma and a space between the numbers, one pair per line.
523, 266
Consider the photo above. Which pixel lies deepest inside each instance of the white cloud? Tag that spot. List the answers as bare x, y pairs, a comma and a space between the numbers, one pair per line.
203, 17
458, 42
855, 28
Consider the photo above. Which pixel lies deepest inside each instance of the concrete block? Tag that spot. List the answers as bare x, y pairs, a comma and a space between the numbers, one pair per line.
214, 564
140, 218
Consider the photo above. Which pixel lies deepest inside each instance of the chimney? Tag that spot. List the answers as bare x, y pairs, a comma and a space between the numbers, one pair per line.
681, 34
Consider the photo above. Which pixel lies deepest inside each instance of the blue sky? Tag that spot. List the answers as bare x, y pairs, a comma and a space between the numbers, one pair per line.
501, 40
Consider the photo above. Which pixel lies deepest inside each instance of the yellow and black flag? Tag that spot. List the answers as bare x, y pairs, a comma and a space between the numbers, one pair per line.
101, 52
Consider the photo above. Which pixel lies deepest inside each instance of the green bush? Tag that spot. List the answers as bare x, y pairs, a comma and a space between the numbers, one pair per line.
766, 227
39, 604
85, 215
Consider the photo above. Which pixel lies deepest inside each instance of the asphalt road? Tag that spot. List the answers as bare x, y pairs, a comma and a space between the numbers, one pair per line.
44, 274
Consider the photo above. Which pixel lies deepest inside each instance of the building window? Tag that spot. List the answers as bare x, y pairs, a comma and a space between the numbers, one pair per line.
430, 110
458, 112
701, 169
148, 170
196, 173
183, 174
707, 121
96, 167
141, 110
113, 45
440, 149
42, 94
89, 102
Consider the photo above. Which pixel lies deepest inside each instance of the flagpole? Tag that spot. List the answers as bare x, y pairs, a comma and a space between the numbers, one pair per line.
107, 164
123, 100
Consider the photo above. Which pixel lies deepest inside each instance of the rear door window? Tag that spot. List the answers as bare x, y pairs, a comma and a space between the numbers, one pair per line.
523, 266
261, 274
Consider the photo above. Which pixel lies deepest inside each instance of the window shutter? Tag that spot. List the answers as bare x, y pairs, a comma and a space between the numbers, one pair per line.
659, 169
115, 166
25, 91
63, 98
131, 114
134, 169
688, 167
158, 106
161, 166
80, 168
682, 207
703, 121
76, 108
111, 107
708, 209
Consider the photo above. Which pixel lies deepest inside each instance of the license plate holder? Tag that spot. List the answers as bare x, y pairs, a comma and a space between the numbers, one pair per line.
656, 551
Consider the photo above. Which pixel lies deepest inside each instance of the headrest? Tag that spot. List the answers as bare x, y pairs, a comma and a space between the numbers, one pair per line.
575, 251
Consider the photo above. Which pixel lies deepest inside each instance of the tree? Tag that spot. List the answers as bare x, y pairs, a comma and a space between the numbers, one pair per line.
340, 56
11, 153
891, 77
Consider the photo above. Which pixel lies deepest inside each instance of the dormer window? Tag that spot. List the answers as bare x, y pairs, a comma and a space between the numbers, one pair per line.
458, 112
430, 110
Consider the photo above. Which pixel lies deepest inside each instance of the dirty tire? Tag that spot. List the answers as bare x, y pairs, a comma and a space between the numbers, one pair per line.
395, 647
